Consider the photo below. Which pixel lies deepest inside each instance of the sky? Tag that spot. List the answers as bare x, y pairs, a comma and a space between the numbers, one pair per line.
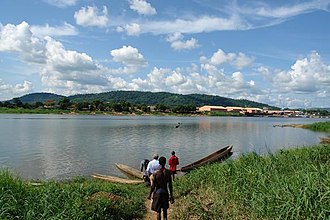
273, 52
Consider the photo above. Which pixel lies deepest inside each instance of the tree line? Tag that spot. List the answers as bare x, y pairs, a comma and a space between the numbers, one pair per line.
99, 106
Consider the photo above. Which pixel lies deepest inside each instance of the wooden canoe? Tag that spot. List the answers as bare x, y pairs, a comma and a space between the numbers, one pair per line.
130, 171
114, 179
215, 156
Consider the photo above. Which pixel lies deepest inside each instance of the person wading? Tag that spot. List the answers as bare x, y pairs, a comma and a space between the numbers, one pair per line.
162, 190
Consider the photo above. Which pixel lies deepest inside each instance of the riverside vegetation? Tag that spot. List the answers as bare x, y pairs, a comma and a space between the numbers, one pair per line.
290, 184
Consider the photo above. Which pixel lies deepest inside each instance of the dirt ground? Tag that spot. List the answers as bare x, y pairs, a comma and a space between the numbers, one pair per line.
152, 215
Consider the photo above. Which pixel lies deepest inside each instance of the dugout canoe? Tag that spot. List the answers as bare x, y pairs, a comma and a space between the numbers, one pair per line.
221, 154
114, 179
130, 171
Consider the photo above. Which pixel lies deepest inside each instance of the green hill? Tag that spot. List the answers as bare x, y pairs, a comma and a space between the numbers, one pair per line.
148, 98
40, 97
165, 98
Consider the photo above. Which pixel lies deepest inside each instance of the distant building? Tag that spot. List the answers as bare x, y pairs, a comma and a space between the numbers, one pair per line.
253, 110
208, 108
235, 109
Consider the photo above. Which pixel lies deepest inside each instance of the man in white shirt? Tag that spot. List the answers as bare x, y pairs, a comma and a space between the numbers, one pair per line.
153, 166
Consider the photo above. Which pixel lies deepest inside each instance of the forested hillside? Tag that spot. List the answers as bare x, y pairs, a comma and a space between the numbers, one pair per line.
40, 97
147, 98
164, 98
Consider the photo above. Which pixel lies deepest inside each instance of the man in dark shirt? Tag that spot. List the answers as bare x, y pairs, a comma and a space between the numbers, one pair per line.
162, 190
144, 165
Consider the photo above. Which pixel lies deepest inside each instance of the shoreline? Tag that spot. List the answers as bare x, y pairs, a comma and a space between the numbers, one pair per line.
228, 192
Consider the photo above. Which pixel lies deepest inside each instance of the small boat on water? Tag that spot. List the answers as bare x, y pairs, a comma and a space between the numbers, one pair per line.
221, 154
130, 171
114, 179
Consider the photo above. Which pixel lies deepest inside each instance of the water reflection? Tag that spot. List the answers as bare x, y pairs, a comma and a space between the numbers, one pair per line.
58, 146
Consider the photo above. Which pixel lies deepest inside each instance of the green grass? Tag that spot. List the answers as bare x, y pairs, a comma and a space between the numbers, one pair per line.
77, 199
319, 126
292, 184
32, 111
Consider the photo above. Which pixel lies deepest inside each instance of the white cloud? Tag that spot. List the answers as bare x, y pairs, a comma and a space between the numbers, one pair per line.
306, 82
194, 25
90, 16
177, 43
239, 60
63, 60
61, 3
291, 10
233, 17
7, 91
176, 78
20, 39
142, 7
124, 70
306, 75
64, 30
61, 70
23, 88
132, 29
128, 56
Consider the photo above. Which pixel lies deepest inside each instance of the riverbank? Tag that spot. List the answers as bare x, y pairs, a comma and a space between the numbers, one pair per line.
318, 126
80, 198
291, 184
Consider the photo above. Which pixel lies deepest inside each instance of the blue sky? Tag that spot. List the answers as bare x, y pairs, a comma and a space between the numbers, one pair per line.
274, 52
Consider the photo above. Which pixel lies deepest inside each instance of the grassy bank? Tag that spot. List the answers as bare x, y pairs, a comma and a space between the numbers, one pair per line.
32, 111
77, 199
292, 184
319, 126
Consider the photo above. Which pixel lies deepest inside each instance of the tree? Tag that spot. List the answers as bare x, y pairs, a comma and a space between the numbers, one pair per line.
18, 102
65, 103
161, 108
184, 109
145, 108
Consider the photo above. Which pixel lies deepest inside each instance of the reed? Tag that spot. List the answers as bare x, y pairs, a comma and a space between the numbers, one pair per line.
319, 126
76, 199
291, 184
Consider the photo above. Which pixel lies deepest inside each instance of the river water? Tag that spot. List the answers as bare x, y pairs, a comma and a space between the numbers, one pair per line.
63, 146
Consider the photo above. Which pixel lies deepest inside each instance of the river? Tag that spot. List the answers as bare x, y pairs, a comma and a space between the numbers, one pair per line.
63, 146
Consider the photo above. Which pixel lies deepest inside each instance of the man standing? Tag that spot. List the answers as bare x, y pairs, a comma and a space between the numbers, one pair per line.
144, 164
162, 190
173, 162
152, 167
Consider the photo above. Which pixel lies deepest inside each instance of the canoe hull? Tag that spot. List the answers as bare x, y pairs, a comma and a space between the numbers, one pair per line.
114, 179
130, 171
221, 154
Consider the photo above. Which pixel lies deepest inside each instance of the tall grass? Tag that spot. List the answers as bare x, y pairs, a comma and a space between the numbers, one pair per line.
4, 110
319, 126
77, 199
292, 184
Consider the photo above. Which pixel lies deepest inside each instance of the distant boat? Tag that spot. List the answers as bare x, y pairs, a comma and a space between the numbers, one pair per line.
114, 179
130, 171
178, 125
221, 154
